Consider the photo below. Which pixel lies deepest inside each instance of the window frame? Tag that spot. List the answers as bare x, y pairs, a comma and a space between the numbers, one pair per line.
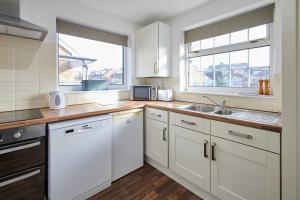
79, 86
268, 41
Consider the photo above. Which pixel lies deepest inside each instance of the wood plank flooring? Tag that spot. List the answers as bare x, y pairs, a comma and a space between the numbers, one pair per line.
146, 183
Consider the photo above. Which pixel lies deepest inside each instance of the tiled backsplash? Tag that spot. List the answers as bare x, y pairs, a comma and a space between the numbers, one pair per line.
28, 73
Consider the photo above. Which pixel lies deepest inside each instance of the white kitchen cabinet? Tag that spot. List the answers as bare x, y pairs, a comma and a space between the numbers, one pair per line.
242, 172
153, 50
189, 155
156, 141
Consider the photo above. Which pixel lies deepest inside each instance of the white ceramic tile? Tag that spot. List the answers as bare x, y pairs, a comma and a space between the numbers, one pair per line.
27, 43
7, 58
7, 40
27, 64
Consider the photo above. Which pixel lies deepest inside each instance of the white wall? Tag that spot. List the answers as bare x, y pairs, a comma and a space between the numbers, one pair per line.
212, 11
28, 68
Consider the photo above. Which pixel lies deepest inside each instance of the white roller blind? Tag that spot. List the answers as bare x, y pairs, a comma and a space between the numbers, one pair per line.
263, 15
78, 30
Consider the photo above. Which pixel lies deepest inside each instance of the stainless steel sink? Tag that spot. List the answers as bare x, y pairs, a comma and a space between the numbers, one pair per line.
224, 112
206, 109
199, 108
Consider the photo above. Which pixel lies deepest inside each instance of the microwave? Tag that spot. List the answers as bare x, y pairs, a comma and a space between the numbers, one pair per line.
143, 92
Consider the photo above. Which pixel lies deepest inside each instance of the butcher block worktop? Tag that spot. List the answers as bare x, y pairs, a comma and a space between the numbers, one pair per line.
86, 110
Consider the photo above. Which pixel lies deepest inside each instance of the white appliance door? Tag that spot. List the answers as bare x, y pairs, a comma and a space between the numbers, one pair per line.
127, 143
80, 160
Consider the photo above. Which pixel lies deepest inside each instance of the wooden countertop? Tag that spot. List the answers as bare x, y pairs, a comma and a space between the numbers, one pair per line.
85, 110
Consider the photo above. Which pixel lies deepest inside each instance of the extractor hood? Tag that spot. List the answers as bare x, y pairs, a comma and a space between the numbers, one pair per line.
12, 24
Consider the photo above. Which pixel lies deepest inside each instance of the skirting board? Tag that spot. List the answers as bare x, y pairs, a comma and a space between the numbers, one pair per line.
196, 190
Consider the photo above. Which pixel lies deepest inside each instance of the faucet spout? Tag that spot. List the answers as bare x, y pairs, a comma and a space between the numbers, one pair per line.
221, 105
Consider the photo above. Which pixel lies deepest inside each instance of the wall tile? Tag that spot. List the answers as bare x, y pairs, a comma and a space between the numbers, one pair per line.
7, 58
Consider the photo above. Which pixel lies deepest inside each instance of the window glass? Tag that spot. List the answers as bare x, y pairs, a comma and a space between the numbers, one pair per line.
239, 68
195, 46
207, 69
84, 59
258, 32
222, 69
222, 40
239, 36
259, 57
207, 43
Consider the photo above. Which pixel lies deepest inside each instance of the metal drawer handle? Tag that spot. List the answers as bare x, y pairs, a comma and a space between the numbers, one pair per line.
189, 123
205, 149
213, 145
157, 115
155, 67
18, 148
240, 134
164, 134
4, 183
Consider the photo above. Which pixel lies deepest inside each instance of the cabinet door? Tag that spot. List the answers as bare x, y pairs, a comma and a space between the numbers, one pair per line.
189, 155
147, 51
164, 50
156, 141
242, 172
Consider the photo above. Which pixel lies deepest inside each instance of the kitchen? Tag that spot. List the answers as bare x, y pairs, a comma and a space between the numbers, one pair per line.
177, 95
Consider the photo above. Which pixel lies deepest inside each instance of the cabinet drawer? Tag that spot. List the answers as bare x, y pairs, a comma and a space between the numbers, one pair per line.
160, 115
250, 136
22, 156
190, 122
25, 185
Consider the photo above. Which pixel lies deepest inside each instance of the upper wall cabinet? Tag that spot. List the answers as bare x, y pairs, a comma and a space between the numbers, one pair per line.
153, 50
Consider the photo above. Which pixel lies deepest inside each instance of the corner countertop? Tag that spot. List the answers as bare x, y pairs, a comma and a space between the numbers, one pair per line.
91, 109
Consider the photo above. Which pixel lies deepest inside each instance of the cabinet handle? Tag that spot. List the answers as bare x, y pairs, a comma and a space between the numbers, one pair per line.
213, 151
240, 135
25, 176
205, 147
164, 134
155, 67
189, 123
21, 147
157, 115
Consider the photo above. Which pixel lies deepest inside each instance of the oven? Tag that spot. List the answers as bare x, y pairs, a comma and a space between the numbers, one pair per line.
143, 92
22, 163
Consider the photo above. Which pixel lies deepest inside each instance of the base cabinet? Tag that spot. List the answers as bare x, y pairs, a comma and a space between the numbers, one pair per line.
189, 155
242, 172
156, 141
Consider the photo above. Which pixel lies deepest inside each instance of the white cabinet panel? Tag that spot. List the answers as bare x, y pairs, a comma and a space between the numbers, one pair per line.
189, 155
190, 122
160, 115
156, 141
153, 49
250, 136
243, 172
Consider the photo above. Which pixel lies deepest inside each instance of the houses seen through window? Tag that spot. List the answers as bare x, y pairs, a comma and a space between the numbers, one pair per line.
238, 59
84, 59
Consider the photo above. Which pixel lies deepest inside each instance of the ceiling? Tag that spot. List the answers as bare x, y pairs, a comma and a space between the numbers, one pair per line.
143, 11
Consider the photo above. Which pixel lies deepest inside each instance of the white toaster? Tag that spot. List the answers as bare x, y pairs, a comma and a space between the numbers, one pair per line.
165, 95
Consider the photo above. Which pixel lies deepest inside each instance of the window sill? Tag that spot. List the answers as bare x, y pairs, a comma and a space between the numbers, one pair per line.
243, 95
100, 91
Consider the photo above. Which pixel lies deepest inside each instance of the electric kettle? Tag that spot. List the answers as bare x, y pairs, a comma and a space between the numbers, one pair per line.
58, 100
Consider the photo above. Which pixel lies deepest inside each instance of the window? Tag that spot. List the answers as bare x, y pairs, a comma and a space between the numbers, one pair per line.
86, 54
84, 59
231, 55
235, 60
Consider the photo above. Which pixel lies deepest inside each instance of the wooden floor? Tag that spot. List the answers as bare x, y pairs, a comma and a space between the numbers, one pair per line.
146, 183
